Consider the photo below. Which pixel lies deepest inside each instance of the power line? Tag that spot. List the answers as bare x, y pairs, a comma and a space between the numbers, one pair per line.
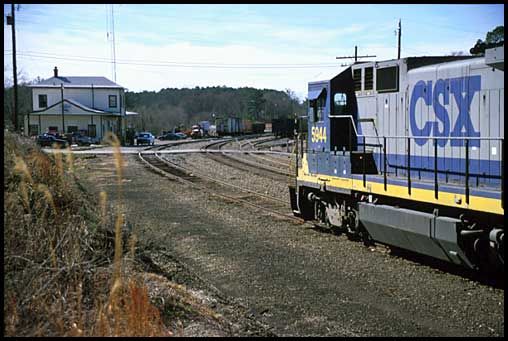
182, 64
356, 56
92, 58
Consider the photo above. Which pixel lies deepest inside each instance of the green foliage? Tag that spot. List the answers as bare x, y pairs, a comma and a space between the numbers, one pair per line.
255, 106
171, 107
24, 103
492, 39
495, 36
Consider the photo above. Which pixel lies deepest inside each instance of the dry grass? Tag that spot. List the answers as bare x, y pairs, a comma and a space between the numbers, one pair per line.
58, 264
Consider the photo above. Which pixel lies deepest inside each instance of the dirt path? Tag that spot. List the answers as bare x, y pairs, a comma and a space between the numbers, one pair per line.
295, 279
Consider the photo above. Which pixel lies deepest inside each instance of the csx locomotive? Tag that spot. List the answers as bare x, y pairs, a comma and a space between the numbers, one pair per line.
409, 153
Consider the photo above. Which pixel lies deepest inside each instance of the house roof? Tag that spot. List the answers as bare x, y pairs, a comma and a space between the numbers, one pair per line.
79, 105
84, 107
78, 82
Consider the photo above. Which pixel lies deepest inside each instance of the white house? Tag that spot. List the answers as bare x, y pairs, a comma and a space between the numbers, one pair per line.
92, 105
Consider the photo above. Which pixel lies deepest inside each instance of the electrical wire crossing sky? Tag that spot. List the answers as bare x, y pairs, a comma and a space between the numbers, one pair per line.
263, 46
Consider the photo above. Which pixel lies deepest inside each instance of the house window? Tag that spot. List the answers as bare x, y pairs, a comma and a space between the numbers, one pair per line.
112, 101
387, 79
43, 101
340, 103
369, 78
34, 129
52, 130
72, 129
357, 79
92, 131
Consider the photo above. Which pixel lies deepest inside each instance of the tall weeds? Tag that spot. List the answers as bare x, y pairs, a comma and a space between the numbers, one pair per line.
55, 246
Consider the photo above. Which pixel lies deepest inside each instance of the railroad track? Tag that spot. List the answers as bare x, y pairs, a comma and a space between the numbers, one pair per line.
262, 169
253, 144
218, 188
272, 159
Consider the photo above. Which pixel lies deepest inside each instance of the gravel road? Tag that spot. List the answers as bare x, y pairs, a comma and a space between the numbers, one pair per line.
290, 279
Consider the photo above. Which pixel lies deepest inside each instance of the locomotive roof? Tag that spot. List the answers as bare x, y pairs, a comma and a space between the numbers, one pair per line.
415, 62
412, 63
452, 63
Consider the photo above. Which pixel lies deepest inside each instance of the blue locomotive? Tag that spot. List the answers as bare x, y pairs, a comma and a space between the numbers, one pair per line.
409, 153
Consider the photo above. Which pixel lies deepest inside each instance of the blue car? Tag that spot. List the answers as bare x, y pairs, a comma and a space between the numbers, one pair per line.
48, 140
145, 138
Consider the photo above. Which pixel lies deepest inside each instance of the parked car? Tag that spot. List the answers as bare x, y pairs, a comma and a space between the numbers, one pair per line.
47, 140
145, 138
170, 136
183, 136
82, 140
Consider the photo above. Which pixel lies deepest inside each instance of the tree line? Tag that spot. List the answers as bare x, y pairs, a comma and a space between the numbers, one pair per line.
170, 107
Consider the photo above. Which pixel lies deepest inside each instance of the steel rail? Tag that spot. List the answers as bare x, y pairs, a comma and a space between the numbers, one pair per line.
228, 197
274, 170
201, 175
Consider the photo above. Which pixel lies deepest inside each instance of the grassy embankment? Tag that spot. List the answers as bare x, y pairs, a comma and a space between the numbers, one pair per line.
68, 262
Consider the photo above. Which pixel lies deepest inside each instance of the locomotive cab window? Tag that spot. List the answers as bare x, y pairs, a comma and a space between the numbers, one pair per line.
357, 79
317, 107
387, 79
339, 103
369, 78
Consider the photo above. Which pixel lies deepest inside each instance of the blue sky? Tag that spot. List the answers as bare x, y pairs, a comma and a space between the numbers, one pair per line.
265, 46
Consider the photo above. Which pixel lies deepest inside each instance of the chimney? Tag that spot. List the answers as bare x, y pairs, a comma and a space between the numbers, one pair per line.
55, 70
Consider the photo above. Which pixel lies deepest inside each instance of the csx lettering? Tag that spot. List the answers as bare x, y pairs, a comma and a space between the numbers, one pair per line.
318, 134
463, 90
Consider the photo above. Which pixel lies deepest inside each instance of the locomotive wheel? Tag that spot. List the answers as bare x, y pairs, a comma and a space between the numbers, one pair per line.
306, 207
355, 230
352, 225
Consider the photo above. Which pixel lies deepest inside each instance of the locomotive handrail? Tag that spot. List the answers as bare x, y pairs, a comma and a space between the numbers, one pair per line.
466, 173
346, 116
437, 137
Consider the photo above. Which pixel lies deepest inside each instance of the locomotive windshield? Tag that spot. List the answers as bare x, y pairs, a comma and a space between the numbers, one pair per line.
317, 107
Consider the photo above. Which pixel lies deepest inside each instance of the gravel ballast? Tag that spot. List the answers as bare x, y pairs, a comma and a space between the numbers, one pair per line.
296, 279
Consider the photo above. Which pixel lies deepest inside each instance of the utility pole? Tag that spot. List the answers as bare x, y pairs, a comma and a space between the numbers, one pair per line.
356, 56
11, 21
398, 44
63, 120
114, 46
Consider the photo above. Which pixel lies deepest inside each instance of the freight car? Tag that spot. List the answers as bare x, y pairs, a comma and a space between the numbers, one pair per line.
230, 126
283, 127
246, 127
409, 153
258, 127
